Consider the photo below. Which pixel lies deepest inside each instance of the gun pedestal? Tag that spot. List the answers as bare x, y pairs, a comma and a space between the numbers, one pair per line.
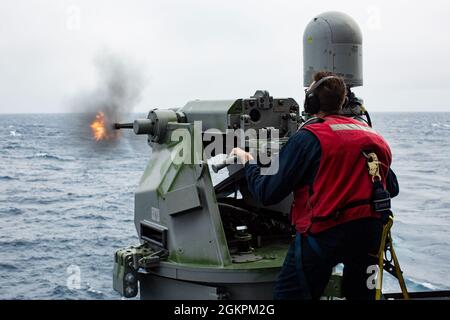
179, 211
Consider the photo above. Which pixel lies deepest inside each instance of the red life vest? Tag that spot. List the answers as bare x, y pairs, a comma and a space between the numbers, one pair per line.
342, 189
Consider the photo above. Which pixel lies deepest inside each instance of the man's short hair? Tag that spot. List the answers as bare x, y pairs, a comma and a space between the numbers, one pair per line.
331, 93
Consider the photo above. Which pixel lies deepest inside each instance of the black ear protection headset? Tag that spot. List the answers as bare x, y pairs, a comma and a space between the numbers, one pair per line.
312, 102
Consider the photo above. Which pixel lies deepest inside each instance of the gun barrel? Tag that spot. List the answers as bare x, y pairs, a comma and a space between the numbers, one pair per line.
119, 126
140, 126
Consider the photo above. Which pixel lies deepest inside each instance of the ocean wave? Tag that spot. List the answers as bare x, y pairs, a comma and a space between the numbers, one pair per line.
36, 180
8, 267
62, 291
35, 199
12, 211
418, 286
94, 217
7, 178
440, 125
12, 145
93, 292
80, 196
40, 248
44, 155
86, 291
13, 133
16, 243
52, 168
49, 201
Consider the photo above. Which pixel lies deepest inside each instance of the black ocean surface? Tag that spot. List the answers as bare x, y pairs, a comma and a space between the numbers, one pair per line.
66, 203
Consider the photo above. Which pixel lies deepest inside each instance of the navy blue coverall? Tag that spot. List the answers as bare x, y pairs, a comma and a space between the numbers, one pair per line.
349, 243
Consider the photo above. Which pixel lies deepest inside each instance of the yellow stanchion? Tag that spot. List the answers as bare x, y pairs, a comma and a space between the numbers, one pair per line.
387, 247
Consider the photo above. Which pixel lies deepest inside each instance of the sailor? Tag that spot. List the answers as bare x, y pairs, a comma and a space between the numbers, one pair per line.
324, 165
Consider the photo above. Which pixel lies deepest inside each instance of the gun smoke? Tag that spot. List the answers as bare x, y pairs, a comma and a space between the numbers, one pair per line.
118, 91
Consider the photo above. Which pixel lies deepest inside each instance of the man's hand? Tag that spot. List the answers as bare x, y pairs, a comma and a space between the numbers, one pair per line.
243, 156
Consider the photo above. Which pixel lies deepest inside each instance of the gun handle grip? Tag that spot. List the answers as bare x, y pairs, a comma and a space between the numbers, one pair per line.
228, 161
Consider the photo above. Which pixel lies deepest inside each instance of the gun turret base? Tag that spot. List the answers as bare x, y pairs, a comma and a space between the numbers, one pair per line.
238, 281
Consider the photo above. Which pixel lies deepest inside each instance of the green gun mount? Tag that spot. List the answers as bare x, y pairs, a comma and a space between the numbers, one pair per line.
200, 240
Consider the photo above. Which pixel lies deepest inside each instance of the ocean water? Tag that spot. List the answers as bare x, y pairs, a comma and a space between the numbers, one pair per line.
66, 203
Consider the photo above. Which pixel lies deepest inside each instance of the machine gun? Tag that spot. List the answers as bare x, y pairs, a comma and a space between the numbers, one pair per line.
200, 239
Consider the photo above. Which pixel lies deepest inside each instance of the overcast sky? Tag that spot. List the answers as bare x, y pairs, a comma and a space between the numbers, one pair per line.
206, 49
